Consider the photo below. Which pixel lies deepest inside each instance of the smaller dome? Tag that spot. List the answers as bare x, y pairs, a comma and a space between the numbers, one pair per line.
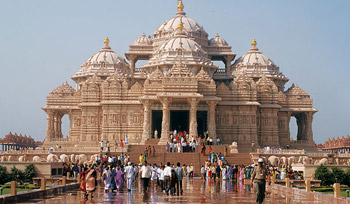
143, 40
255, 64
181, 42
217, 41
254, 56
104, 63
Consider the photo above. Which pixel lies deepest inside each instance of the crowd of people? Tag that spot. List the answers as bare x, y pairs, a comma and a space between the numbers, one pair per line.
117, 176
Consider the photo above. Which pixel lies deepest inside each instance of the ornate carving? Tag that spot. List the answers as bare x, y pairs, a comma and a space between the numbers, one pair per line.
63, 90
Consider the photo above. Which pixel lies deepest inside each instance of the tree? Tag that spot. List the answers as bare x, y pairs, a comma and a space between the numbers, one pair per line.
4, 176
338, 175
17, 175
347, 177
323, 174
29, 173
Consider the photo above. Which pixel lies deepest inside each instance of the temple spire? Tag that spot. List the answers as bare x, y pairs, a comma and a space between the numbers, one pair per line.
254, 42
106, 41
254, 48
180, 6
106, 46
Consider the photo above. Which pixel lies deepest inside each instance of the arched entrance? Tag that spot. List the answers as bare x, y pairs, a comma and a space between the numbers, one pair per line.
157, 116
179, 120
202, 123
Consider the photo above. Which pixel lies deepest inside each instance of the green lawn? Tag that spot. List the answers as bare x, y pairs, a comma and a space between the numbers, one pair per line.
342, 193
8, 190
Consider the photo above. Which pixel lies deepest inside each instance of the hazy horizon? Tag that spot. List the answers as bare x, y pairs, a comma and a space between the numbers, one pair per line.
43, 43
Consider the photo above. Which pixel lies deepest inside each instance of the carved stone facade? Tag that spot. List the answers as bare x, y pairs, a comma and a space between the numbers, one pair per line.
244, 101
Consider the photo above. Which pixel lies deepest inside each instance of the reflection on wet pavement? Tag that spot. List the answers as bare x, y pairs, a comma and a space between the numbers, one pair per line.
195, 191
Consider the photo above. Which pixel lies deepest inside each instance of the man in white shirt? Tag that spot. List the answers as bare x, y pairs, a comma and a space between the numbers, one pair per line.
146, 173
161, 177
129, 173
171, 146
167, 174
102, 145
203, 172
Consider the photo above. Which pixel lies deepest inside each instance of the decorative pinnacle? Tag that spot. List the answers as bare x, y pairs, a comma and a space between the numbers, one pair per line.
254, 42
106, 41
180, 6
180, 26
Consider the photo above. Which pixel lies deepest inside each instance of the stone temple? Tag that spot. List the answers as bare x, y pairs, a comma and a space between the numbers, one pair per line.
179, 88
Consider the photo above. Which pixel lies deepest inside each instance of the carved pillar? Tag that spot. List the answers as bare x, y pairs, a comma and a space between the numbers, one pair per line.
228, 63
193, 117
132, 63
308, 126
50, 125
59, 125
165, 122
212, 122
146, 121
55, 125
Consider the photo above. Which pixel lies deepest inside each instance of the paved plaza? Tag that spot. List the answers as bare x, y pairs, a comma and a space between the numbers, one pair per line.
195, 191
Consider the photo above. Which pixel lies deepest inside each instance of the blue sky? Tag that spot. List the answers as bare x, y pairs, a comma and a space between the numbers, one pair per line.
43, 43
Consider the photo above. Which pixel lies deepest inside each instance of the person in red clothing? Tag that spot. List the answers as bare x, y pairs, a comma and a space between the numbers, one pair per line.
121, 144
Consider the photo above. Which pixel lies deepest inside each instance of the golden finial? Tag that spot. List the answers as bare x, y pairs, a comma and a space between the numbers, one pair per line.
180, 26
254, 42
180, 6
106, 41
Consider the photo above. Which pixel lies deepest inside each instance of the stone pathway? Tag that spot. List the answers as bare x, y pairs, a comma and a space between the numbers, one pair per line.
195, 191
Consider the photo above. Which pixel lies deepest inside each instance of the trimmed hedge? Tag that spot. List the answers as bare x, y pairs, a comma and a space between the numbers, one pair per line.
29, 186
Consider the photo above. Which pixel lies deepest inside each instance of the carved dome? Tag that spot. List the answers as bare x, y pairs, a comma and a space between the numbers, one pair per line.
191, 28
180, 46
143, 40
217, 41
256, 64
104, 63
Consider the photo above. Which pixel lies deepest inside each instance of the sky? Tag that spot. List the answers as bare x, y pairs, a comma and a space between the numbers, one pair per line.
43, 43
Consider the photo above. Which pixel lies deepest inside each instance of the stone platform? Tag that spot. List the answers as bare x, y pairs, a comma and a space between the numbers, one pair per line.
195, 191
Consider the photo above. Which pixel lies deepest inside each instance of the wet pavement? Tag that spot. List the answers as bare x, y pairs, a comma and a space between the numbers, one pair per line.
195, 191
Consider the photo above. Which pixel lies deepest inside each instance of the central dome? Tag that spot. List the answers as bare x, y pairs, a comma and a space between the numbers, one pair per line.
180, 46
191, 28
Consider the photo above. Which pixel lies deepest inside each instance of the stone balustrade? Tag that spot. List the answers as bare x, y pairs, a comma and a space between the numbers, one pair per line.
303, 195
282, 151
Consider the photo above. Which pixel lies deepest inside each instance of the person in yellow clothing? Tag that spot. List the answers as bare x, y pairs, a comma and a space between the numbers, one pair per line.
191, 171
141, 159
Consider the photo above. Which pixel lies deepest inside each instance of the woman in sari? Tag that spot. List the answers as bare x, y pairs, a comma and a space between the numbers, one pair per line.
113, 185
118, 178
203, 149
241, 173
83, 183
91, 181
107, 179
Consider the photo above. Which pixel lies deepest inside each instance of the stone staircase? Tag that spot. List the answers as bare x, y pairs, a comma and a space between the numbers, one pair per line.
197, 159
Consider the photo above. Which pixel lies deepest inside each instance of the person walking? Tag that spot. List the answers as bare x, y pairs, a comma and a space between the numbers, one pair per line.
180, 174
102, 145
146, 173
167, 174
121, 145
203, 172
107, 179
173, 182
129, 174
91, 181
82, 176
259, 176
